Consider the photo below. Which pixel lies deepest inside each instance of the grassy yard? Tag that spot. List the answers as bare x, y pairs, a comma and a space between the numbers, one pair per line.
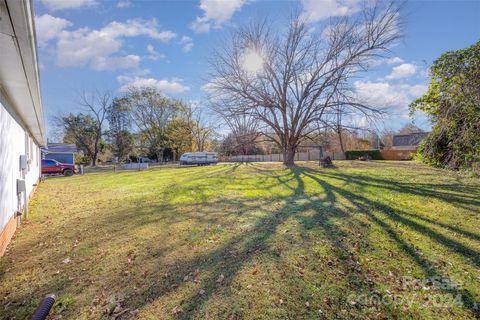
258, 241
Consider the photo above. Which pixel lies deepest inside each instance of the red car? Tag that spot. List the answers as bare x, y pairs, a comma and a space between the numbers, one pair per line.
50, 166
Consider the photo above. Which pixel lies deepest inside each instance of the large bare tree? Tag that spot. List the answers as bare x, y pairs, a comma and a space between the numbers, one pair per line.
97, 104
86, 129
289, 79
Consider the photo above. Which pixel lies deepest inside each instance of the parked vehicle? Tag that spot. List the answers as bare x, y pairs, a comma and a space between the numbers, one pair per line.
50, 166
199, 158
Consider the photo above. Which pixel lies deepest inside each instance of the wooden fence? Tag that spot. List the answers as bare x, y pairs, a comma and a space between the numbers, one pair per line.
299, 156
392, 154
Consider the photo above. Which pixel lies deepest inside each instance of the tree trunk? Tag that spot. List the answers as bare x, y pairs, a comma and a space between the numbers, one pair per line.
289, 156
94, 160
340, 139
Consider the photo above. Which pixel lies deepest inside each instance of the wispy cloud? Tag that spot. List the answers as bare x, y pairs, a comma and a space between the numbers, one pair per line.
130, 61
169, 86
216, 13
124, 4
394, 97
316, 10
187, 43
153, 54
54, 5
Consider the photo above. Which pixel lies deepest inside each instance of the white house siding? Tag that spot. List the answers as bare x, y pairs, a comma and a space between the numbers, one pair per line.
14, 142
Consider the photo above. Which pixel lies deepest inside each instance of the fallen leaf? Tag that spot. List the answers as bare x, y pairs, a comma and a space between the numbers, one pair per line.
220, 278
134, 312
176, 310
66, 260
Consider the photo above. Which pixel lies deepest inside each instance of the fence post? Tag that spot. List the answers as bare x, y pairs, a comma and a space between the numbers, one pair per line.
308, 155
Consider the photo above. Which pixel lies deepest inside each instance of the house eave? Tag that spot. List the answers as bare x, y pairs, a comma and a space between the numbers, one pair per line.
19, 71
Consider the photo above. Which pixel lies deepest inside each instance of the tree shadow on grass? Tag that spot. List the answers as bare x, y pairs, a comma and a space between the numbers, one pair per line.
461, 195
225, 262
229, 258
428, 192
368, 207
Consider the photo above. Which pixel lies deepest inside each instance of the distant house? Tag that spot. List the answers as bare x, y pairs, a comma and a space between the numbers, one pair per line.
408, 142
62, 152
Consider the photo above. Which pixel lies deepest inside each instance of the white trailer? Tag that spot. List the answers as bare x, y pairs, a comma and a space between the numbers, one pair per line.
199, 158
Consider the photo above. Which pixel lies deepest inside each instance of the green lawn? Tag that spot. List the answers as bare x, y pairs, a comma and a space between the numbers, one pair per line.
258, 241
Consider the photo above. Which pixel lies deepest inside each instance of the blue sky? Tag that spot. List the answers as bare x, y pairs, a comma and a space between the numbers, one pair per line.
88, 44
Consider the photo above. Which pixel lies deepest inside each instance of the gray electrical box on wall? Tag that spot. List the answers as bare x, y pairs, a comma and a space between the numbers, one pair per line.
21, 186
23, 162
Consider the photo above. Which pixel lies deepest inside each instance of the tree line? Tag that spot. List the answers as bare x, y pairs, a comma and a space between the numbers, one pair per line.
141, 122
278, 88
282, 85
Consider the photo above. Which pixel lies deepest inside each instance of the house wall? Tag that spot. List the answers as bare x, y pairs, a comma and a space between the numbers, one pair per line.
14, 141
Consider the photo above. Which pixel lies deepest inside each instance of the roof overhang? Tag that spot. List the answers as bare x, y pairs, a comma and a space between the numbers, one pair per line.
19, 72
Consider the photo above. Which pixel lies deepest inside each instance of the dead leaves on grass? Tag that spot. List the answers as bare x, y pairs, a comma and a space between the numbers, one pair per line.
113, 306
220, 278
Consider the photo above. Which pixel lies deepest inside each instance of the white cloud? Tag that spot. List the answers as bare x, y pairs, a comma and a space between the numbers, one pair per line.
208, 87
187, 43
379, 62
402, 71
215, 14
54, 5
124, 4
316, 10
113, 62
153, 54
395, 97
394, 60
49, 27
86, 46
171, 86
137, 27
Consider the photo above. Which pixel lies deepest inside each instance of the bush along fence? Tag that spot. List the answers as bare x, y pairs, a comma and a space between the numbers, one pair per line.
278, 157
370, 154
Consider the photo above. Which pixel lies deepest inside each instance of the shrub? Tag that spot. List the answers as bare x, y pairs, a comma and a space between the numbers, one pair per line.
371, 154
452, 104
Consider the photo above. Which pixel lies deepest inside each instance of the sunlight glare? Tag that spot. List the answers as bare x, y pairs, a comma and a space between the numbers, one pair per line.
252, 61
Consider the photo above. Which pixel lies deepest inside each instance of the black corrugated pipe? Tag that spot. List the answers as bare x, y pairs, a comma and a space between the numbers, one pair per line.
44, 308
